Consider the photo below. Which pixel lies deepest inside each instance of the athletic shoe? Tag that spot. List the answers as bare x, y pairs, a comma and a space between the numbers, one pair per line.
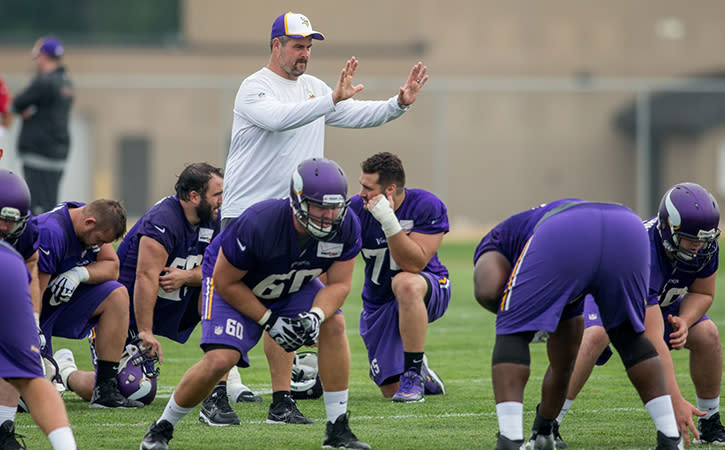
339, 435
540, 441
247, 396
711, 431
411, 388
7, 437
558, 440
107, 395
504, 443
66, 364
668, 443
286, 412
215, 410
432, 383
237, 391
158, 436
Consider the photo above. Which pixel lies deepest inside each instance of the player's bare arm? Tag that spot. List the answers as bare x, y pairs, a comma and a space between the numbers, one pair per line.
32, 264
413, 251
344, 88
698, 299
333, 295
654, 328
152, 258
106, 267
174, 278
416, 80
490, 274
227, 281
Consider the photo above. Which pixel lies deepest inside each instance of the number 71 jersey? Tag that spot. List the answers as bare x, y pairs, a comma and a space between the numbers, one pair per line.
421, 212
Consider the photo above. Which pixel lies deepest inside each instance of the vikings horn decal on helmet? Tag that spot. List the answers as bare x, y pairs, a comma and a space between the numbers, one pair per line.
322, 183
137, 375
14, 203
688, 210
305, 382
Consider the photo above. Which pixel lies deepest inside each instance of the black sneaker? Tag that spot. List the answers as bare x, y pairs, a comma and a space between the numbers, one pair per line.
668, 443
339, 435
542, 433
158, 436
286, 412
504, 443
107, 395
711, 431
7, 437
215, 410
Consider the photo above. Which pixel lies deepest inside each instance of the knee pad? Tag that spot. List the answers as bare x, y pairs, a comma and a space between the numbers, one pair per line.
512, 348
632, 347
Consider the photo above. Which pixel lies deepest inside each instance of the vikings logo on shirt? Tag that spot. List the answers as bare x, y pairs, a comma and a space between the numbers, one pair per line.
310, 95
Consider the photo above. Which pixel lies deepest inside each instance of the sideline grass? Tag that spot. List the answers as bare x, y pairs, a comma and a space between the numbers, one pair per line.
607, 415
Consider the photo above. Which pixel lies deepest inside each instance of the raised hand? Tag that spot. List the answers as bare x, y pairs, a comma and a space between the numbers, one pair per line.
416, 80
344, 88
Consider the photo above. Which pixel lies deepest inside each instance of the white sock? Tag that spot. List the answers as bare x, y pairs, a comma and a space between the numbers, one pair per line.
564, 410
663, 415
173, 413
335, 404
7, 413
709, 405
62, 439
511, 420
235, 385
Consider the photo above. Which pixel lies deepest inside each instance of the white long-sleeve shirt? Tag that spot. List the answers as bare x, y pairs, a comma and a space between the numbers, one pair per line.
278, 123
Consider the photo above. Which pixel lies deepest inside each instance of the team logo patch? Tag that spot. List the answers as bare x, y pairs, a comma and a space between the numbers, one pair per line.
205, 234
218, 330
592, 317
310, 95
261, 95
329, 249
407, 225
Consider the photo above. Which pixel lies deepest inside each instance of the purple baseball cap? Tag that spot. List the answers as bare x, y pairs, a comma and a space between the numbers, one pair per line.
295, 26
49, 45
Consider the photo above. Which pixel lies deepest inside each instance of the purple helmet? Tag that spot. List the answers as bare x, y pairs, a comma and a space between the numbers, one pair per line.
137, 375
14, 203
322, 183
689, 210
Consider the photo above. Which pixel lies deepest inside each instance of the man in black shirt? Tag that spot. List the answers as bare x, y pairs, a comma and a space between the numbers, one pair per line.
45, 108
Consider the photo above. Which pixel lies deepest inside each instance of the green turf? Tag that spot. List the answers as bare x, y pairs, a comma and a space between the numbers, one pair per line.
608, 413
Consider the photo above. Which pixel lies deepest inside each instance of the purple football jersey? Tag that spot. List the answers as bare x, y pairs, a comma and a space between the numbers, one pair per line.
263, 241
58, 246
19, 344
185, 244
420, 212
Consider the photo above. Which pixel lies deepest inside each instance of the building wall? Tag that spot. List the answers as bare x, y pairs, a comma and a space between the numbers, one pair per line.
488, 149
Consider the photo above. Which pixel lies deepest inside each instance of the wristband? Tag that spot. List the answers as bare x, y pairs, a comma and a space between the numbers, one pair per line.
317, 310
265, 317
83, 274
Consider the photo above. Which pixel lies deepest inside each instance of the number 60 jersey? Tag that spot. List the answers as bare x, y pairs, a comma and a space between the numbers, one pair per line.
263, 241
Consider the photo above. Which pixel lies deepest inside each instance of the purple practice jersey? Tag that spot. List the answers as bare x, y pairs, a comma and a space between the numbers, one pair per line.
510, 236
59, 249
667, 284
19, 343
263, 241
175, 313
420, 212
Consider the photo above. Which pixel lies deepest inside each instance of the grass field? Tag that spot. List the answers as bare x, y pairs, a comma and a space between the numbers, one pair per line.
607, 415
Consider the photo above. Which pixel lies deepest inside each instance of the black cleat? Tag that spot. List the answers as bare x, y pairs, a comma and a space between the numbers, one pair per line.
286, 412
158, 436
339, 435
504, 443
8, 439
711, 431
215, 410
668, 443
107, 395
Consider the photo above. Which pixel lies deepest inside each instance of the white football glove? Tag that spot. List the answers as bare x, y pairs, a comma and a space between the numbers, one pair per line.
383, 213
285, 331
67, 282
310, 322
